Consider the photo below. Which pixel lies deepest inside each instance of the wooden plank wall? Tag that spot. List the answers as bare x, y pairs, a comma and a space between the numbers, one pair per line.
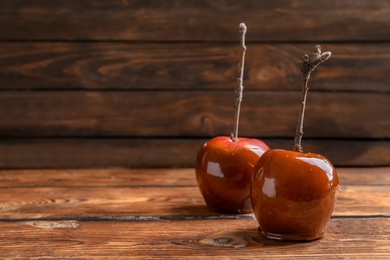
135, 83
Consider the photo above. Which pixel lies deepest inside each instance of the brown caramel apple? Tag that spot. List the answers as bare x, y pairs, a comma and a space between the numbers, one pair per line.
293, 193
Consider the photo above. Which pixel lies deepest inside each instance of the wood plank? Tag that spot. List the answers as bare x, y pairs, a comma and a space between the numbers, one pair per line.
83, 202
145, 152
364, 176
152, 177
190, 114
162, 177
188, 66
194, 20
345, 238
146, 216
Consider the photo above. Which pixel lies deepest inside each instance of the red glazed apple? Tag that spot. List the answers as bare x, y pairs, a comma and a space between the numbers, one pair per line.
224, 170
224, 165
293, 193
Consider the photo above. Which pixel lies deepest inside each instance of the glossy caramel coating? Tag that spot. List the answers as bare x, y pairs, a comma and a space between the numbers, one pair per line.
224, 171
293, 194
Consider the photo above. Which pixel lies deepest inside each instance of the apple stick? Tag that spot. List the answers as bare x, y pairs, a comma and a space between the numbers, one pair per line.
239, 89
307, 66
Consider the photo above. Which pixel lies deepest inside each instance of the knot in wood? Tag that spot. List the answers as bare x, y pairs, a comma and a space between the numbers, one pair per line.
224, 240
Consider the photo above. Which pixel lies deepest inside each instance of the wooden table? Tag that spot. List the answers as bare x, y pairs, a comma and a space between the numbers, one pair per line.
159, 213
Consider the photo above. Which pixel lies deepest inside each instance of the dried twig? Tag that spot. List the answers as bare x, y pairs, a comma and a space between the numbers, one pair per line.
240, 88
308, 65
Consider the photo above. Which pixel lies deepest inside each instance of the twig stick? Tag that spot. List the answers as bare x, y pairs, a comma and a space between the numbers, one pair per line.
240, 88
307, 66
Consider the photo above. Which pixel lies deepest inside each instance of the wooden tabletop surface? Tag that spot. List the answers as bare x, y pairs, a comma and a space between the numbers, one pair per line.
159, 213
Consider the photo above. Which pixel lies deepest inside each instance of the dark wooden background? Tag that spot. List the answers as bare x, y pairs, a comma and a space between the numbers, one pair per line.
121, 83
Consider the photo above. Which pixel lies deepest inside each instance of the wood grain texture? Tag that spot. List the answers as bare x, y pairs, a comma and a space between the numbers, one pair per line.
159, 152
188, 66
154, 177
223, 239
127, 203
140, 83
159, 213
190, 114
194, 20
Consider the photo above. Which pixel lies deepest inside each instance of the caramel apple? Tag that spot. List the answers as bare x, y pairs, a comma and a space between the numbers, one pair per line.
224, 164
293, 193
